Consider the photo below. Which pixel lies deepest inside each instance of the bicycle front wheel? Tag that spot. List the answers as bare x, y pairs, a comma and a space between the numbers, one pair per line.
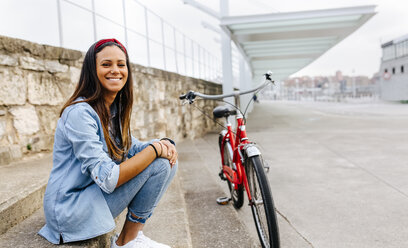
263, 209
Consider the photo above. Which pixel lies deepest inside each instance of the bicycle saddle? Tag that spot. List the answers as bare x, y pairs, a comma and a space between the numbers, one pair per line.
223, 111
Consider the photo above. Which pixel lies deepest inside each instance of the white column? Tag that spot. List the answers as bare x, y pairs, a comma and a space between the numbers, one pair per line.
242, 85
94, 21
227, 86
147, 36
245, 83
125, 23
60, 32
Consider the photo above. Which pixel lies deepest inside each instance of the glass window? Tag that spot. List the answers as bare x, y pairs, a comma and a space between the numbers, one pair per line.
402, 69
389, 52
393, 70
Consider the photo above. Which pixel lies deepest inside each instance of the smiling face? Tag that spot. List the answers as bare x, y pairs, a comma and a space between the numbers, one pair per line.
111, 69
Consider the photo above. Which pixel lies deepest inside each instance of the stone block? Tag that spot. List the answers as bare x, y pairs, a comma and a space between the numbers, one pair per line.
11, 45
3, 126
13, 88
74, 73
31, 63
15, 152
25, 119
48, 116
5, 157
42, 89
33, 48
66, 88
8, 60
41, 143
54, 66
159, 130
137, 118
52, 52
140, 133
68, 54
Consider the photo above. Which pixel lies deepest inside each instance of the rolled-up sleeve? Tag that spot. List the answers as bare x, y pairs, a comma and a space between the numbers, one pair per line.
82, 130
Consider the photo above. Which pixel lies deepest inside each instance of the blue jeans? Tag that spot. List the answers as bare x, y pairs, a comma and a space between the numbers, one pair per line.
142, 193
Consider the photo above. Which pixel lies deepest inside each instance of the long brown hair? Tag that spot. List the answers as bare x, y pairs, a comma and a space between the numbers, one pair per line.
90, 88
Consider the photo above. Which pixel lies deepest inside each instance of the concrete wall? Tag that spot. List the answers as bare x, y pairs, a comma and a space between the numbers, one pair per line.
394, 86
36, 80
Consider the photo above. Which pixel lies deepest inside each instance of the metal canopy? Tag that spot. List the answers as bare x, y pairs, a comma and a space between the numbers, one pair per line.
287, 42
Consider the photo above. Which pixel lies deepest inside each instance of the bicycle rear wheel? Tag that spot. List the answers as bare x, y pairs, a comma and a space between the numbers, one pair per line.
263, 209
237, 195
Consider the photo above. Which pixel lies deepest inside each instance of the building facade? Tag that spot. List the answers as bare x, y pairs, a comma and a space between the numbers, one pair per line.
393, 74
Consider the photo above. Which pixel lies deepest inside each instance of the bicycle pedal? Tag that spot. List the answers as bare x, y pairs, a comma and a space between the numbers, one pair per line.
222, 176
223, 200
266, 166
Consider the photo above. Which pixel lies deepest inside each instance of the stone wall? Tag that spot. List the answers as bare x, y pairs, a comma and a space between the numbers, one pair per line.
36, 80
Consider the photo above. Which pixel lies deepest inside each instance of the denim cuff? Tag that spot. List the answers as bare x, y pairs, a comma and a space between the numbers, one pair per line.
136, 220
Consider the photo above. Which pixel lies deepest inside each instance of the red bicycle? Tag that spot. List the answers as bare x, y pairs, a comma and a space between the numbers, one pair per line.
243, 168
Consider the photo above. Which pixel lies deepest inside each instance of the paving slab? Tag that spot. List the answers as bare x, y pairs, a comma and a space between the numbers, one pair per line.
24, 235
337, 171
289, 236
211, 225
169, 222
22, 187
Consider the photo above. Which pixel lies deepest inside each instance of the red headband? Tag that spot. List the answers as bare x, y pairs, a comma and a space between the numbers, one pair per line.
101, 42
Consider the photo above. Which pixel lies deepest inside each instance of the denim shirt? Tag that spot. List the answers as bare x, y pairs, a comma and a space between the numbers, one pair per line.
74, 205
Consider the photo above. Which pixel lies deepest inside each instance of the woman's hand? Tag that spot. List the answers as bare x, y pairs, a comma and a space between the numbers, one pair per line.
169, 151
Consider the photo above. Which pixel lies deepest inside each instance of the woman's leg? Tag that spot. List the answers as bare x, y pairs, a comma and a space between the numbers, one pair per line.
141, 195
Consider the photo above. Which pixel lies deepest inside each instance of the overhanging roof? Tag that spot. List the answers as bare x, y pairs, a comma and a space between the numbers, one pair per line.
287, 42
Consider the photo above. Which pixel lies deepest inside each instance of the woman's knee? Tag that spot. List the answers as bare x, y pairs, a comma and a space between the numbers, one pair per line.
162, 166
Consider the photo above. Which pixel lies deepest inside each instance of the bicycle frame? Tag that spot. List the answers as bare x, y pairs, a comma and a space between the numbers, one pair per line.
237, 143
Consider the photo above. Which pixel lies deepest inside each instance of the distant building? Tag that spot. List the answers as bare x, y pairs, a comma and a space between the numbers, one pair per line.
393, 74
327, 87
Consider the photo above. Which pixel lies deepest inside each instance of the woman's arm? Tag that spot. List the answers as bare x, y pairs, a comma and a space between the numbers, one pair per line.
136, 164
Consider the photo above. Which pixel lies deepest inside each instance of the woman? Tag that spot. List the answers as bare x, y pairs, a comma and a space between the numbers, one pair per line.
99, 169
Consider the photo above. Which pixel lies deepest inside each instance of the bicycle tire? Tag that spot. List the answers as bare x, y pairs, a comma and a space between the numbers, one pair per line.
237, 195
262, 206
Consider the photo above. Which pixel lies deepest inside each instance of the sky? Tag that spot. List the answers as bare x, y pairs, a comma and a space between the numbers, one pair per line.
358, 54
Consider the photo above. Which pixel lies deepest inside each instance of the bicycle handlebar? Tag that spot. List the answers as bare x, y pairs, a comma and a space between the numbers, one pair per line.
190, 96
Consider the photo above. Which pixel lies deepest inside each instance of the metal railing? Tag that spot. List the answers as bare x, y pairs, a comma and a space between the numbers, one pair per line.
151, 41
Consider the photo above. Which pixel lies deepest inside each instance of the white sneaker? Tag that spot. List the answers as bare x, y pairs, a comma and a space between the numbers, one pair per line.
142, 241
114, 245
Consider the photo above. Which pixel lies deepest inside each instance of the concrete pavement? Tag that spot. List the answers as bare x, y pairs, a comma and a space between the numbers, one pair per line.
338, 171
338, 174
